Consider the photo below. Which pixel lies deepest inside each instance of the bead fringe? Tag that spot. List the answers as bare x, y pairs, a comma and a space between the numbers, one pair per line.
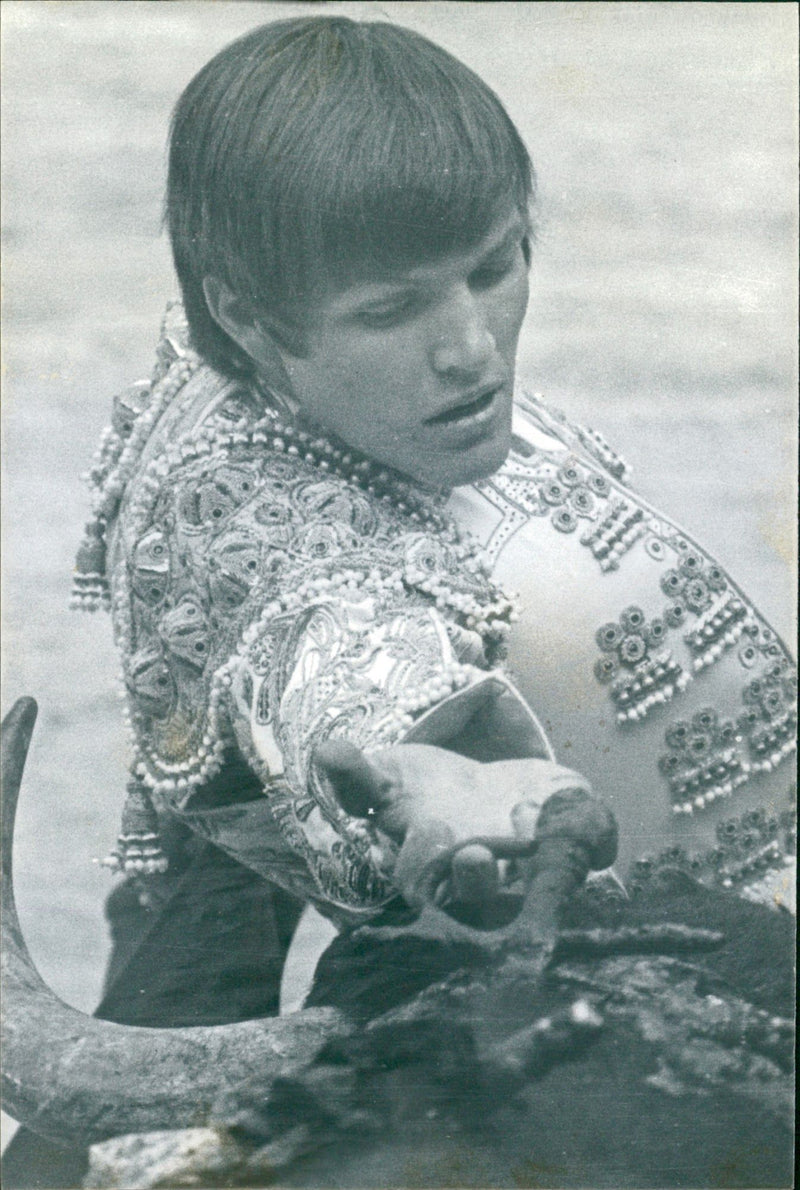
89, 581
135, 413
90, 593
138, 847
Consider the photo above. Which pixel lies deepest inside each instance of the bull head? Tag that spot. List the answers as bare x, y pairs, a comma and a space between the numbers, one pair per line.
72, 1077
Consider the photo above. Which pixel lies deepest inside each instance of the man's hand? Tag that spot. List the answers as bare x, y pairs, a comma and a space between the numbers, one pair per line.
439, 805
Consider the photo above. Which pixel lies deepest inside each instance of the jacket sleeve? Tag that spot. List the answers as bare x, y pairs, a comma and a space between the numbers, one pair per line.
264, 604
377, 671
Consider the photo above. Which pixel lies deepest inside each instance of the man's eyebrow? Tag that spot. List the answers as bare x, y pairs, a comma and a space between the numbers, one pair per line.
515, 232
386, 288
378, 291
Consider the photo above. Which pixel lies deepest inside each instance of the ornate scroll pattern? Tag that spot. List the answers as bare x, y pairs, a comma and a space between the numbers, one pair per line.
269, 585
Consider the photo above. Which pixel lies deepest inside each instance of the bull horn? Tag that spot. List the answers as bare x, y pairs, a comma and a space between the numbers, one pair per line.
74, 1078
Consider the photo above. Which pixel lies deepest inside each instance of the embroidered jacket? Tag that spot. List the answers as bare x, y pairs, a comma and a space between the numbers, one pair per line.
270, 589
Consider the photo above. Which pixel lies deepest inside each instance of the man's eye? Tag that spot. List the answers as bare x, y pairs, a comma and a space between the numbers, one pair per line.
493, 274
385, 315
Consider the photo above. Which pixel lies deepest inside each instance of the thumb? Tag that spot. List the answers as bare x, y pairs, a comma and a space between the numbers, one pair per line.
358, 786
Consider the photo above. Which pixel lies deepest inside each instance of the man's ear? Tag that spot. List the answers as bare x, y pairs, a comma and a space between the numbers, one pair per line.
236, 317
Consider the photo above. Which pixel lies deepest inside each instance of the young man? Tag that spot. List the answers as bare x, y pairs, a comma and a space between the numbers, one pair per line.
286, 511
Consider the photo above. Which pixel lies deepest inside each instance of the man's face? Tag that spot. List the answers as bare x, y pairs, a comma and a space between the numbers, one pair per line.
416, 368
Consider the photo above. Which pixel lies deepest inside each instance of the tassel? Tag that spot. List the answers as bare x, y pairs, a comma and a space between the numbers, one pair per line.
138, 847
89, 581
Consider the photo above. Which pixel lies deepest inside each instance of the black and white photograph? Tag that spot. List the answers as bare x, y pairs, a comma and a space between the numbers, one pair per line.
399, 570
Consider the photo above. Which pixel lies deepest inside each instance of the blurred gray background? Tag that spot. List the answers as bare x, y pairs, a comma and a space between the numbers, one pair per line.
662, 312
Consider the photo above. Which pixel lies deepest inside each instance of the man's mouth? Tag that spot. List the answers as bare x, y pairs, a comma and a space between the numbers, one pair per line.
470, 407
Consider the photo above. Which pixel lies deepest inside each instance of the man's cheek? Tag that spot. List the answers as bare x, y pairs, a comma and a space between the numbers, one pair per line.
514, 315
357, 373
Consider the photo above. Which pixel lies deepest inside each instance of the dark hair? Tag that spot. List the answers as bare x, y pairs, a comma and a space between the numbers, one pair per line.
316, 146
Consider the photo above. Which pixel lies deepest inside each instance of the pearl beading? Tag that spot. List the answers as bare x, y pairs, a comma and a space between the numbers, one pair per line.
717, 629
748, 847
697, 787
490, 618
615, 534
113, 465
111, 486
162, 777
397, 722
653, 683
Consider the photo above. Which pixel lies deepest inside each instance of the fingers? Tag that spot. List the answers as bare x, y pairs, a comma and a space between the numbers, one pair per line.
551, 779
358, 787
585, 822
524, 817
560, 778
475, 874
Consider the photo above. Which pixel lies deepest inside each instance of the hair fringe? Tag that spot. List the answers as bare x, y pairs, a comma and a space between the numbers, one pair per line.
315, 147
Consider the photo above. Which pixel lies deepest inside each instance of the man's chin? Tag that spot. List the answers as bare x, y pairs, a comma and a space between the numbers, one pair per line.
453, 469
479, 463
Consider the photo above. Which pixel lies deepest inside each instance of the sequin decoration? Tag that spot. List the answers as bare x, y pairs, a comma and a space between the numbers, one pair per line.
748, 847
134, 416
719, 627
703, 761
531, 485
554, 421
634, 645
710, 757
90, 588
149, 679
700, 587
184, 630
573, 494
233, 565
127, 407
597, 446
150, 567
138, 847
267, 578
614, 534
769, 721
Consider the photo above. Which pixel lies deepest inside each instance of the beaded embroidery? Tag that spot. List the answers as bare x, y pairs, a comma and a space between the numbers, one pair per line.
698, 588
138, 847
532, 485
649, 658
749, 847
708, 757
653, 675
703, 762
592, 441
135, 412
264, 573
615, 533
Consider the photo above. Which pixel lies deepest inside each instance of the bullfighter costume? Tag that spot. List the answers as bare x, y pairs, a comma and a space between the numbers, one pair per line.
270, 588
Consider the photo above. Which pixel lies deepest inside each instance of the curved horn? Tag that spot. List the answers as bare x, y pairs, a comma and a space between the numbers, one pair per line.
72, 1077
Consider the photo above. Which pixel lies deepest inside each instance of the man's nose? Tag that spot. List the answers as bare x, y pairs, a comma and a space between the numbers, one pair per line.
463, 343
